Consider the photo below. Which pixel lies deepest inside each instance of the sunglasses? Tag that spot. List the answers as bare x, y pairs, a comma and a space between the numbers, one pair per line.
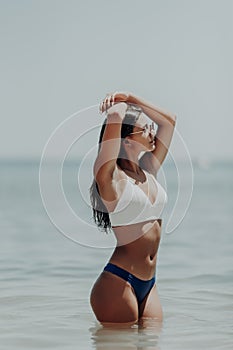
150, 128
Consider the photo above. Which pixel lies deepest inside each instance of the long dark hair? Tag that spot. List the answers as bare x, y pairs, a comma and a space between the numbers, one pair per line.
100, 212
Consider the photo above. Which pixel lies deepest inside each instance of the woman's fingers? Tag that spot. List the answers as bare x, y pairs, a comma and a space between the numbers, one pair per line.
106, 103
114, 97
109, 101
101, 107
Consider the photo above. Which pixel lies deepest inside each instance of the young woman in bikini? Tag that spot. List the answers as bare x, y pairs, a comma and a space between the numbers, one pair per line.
127, 198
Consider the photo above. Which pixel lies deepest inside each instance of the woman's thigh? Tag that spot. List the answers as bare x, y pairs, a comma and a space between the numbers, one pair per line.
151, 306
113, 300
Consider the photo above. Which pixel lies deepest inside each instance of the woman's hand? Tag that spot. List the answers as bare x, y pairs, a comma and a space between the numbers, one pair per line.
112, 99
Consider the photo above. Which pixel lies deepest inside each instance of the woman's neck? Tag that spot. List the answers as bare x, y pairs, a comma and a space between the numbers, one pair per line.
130, 165
133, 170
129, 161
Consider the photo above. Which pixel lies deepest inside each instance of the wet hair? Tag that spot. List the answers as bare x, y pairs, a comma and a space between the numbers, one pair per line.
99, 210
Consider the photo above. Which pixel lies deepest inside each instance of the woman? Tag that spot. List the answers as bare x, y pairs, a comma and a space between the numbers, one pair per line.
127, 198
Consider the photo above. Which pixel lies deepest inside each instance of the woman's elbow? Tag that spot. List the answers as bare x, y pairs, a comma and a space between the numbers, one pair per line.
173, 119
170, 120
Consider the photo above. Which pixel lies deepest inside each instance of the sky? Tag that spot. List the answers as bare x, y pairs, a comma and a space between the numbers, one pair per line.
59, 57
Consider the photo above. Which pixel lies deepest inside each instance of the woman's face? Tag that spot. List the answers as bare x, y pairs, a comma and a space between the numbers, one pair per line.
143, 134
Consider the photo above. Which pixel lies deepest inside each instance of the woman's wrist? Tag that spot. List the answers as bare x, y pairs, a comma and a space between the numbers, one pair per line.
131, 98
134, 100
117, 111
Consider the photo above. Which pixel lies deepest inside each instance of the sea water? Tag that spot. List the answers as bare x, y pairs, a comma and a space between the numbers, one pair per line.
46, 276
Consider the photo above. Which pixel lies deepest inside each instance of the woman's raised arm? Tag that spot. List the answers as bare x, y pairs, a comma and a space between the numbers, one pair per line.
151, 161
105, 163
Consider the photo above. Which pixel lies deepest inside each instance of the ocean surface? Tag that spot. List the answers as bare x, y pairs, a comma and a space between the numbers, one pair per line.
46, 275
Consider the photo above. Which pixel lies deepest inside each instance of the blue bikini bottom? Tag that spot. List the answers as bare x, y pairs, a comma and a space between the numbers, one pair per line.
140, 287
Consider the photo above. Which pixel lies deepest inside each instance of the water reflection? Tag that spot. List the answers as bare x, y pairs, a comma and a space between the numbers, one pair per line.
144, 336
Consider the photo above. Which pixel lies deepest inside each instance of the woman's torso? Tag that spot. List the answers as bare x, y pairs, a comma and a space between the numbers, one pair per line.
137, 247
138, 242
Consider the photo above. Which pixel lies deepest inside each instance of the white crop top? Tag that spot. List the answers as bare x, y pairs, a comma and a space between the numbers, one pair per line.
134, 205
